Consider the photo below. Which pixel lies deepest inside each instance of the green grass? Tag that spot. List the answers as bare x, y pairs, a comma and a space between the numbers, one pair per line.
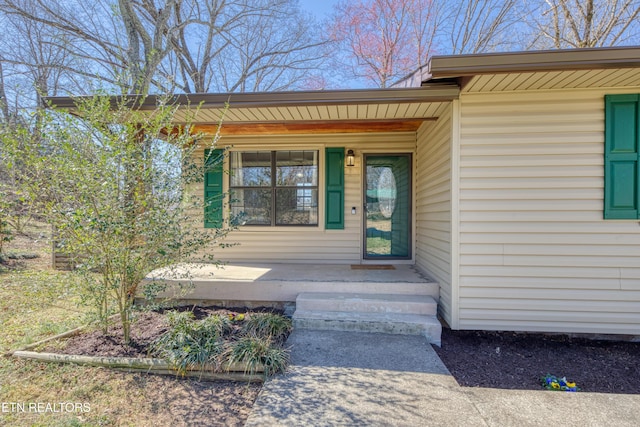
35, 305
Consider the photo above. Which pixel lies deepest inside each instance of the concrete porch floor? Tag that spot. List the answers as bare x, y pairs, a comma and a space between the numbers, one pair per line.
244, 282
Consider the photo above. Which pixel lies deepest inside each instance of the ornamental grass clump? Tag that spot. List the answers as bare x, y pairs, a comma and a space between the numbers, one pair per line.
268, 325
219, 342
256, 353
192, 344
216, 325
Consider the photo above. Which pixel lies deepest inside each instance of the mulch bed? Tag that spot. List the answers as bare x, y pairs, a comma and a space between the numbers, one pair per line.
147, 327
509, 360
505, 360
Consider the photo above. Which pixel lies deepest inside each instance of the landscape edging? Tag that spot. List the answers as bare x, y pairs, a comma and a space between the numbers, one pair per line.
233, 372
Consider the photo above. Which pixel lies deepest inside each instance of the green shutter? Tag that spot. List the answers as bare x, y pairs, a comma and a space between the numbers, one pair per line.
213, 194
334, 200
622, 125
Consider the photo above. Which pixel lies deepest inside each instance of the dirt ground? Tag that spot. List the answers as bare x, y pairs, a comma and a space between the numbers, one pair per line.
510, 360
187, 402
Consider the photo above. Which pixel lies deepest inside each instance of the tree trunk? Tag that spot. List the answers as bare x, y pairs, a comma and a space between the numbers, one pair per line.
4, 104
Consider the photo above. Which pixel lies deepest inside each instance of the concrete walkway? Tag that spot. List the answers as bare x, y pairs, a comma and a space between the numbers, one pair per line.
349, 378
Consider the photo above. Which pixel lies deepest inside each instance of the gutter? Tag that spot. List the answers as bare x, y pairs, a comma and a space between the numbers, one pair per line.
533, 61
434, 92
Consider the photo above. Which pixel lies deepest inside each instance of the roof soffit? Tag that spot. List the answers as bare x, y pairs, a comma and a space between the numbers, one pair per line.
282, 107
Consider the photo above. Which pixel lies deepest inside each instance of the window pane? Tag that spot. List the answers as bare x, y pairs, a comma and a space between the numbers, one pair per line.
251, 169
297, 206
251, 206
296, 167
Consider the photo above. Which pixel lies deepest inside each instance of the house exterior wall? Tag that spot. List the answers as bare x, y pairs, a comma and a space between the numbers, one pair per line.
433, 206
311, 244
535, 251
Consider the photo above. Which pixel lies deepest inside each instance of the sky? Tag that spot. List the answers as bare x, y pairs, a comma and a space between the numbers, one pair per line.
318, 7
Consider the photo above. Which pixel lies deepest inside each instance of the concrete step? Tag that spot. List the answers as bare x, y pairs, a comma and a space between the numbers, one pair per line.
366, 303
386, 323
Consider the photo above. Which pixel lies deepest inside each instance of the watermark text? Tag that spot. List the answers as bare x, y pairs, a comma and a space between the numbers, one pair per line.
44, 407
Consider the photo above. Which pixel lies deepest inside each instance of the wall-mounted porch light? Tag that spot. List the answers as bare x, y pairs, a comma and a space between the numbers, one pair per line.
351, 158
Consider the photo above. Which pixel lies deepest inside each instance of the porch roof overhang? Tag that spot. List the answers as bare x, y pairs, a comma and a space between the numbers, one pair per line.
320, 111
550, 69
399, 108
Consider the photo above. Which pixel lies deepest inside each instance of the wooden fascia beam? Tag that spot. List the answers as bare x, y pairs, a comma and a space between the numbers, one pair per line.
308, 127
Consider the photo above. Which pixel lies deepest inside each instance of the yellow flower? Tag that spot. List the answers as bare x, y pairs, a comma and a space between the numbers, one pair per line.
240, 317
571, 384
555, 385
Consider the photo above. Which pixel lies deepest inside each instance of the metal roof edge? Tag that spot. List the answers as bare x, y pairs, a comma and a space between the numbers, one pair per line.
429, 92
531, 61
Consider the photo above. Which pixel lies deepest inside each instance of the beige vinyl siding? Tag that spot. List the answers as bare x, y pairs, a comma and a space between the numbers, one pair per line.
312, 244
433, 206
535, 252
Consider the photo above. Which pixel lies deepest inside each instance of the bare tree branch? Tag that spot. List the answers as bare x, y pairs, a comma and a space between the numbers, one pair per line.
381, 41
477, 26
244, 45
582, 23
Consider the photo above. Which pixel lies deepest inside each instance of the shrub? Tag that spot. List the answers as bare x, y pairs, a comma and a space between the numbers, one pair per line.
118, 188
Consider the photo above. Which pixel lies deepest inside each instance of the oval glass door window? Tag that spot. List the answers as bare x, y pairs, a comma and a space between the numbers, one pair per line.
387, 191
